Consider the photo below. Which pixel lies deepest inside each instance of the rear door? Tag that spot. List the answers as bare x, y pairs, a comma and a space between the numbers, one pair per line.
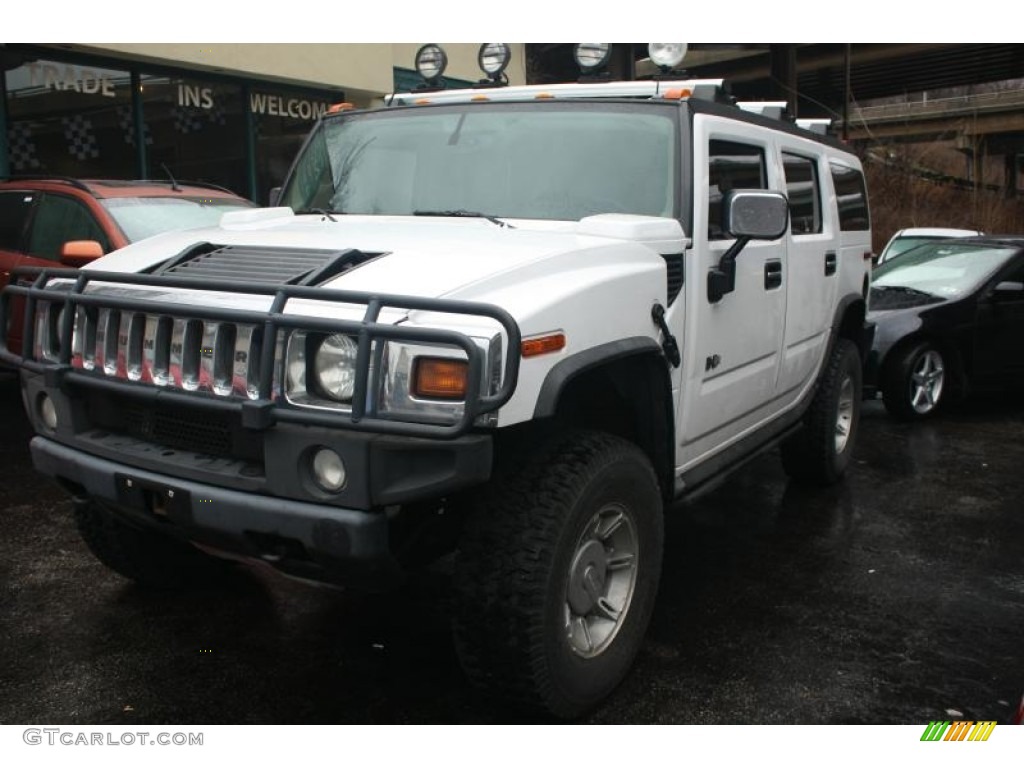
813, 266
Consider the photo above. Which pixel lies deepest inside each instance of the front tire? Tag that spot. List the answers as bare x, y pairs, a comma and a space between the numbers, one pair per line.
819, 453
557, 573
915, 382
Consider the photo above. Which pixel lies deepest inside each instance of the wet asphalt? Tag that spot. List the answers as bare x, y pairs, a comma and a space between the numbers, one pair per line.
896, 597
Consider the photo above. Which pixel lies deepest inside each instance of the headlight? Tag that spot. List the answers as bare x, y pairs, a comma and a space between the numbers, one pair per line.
335, 367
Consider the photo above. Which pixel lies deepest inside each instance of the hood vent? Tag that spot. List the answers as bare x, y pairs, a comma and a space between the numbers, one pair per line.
283, 266
674, 263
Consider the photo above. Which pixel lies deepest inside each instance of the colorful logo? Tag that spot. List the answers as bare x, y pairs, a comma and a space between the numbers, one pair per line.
958, 730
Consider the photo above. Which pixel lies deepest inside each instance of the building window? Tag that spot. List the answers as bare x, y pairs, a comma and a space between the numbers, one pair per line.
281, 122
195, 131
69, 120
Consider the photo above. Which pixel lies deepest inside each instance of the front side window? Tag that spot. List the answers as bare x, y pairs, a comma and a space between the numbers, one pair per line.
731, 165
61, 219
140, 217
804, 194
14, 210
558, 162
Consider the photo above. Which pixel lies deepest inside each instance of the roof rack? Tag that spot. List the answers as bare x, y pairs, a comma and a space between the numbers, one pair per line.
775, 110
180, 183
699, 89
818, 125
77, 183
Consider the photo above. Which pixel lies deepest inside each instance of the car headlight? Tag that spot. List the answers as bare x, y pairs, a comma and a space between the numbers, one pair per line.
335, 367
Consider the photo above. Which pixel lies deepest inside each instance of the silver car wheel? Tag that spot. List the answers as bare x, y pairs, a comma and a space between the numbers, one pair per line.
926, 382
602, 575
844, 414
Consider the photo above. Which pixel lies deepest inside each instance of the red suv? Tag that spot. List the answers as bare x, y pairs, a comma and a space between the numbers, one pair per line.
40, 215
55, 221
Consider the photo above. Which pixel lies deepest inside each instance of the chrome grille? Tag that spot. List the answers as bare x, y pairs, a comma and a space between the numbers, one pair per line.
173, 352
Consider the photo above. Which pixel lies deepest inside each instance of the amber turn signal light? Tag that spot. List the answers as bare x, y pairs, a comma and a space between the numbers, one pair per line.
439, 378
542, 345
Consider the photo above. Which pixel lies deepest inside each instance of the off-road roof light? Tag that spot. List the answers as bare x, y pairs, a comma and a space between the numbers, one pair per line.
667, 56
493, 58
592, 57
431, 62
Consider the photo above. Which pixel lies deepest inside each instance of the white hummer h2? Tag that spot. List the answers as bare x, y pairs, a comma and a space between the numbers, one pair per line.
511, 324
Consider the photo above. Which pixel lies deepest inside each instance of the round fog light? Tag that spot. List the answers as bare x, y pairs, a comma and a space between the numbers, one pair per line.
329, 470
48, 411
667, 55
431, 62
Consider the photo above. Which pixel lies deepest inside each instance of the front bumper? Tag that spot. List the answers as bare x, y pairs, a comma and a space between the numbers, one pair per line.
304, 539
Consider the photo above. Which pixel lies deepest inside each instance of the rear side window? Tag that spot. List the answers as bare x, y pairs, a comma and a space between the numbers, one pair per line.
14, 210
58, 220
804, 194
852, 198
731, 165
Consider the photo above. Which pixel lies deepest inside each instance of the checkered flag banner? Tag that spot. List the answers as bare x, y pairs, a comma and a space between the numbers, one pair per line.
81, 138
21, 148
187, 120
127, 125
216, 115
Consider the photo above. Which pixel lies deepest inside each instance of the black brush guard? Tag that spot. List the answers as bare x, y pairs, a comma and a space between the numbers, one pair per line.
264, 411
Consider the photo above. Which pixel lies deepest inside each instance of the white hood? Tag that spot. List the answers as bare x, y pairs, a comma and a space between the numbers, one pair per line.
424, 256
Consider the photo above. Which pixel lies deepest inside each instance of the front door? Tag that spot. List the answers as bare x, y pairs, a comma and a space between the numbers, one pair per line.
732, 345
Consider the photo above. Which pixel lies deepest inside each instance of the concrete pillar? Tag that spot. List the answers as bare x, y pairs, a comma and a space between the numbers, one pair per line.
782, 57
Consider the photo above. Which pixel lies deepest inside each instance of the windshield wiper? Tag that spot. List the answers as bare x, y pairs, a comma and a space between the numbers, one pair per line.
322, 211
468, 214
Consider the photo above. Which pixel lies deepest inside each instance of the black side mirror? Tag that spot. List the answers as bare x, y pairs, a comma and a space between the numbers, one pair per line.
747, 214
274, 197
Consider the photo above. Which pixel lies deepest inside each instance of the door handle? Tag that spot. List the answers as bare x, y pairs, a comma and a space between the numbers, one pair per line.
830, 263
772, 275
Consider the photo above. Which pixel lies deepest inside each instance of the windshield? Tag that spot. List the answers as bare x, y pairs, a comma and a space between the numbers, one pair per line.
141, 217
945, 269
559, 162
903, 244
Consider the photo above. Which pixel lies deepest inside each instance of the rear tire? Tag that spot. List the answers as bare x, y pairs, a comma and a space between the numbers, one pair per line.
147, 558
819, 453
557, 573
